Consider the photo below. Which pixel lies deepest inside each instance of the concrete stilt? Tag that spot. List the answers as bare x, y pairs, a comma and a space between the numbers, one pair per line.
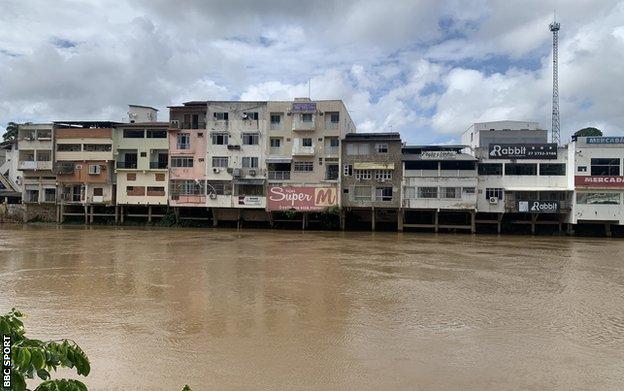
400, 219
270, 216
176, 212
116, 214
238, 220
149, 214
91, 215
343, 219
373, 222
499, 223
608, 229
533, 220
473, 224
121, 214
436, 222
304, 217
62, 213
86, 214
215, 219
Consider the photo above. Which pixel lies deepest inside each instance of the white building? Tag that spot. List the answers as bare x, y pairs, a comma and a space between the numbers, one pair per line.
481, 134
597, 177
138, 114
36, 154
10, 175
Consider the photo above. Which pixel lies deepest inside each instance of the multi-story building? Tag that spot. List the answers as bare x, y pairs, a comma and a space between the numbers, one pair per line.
371, 177
10, 176
187, 154
521, 175
598, 180
141, 163
304, 152
439, 187
36, 154
83, 162
235, 155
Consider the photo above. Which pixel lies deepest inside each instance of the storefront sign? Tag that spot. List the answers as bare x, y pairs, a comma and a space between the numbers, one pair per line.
249, 201
304, 198
303, 107
605, 140
535, 206
599, 181
438, 154
523, 151
373, 166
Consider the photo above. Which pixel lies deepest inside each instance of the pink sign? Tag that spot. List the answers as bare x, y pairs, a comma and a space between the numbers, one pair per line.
599, 181
304, 198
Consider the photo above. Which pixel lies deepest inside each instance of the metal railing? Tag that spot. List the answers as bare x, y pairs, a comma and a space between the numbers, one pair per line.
126, 165
279, 175
158, 165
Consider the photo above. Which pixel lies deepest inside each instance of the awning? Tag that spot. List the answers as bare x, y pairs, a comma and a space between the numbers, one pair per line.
279, 159
529, 188
373, 166
248, 181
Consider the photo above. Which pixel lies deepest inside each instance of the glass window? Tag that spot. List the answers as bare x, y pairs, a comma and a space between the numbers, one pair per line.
69, 147
181, 161
608, 166
457, 165
598, 198
306, 142
490, 169
331, 172
304, 166
220, 161
409, 192
250, 162
469, 190
97, 147
251, 115
276, 142
184, 141
383, 175
363, 174
357, 149
219, 187
427, 192
552, 169
219, 138
251, 138
362, 193
383, 193
306, 117
334, 142
450, 192
133, 133
220, 116
421, 165
157, 133
276, 119
381, 148
493, 192
581, 168
520, 169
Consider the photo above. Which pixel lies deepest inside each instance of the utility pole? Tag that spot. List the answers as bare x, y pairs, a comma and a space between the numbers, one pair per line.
556, 125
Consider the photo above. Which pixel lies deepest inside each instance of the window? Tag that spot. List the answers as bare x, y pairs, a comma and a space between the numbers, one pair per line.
97, 147
306, 117
69, 147
306, 142
219, 187
98, 191
253, 115
133, 133
362, 193
181, 161
608, 166
490, 169
276, 142
357, 149
581, 168
304, 166
450, 192
49, 195
159, 177
334, 142
276, 119
427, 192
598, 198
457, 165
383, 175
250, 162
184, 141
131, 176
220, 161
44, 155
469, 190
155, 191
219, 138
520, 169
249, 190
157, 133
383, 193
143, 154
552, 169
493, 192
409, 192
381, 148
334, 117
331, 172
220, 116
421, 165
363, 175
251, 138
135, 190
348, 170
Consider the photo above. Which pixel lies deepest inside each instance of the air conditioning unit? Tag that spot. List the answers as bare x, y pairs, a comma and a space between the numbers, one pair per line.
216, 170
174, 123
213, 196
252, 172
78, 166
493, 200
236, 173
94, 169
230, 170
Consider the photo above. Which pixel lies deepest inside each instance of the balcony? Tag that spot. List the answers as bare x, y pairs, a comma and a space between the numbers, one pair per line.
219, 124
302, 151
332, 125
34, 165
158, 165
279, 175
299, 124
193, 125
332, 151
126, 165
249, 124
275, 151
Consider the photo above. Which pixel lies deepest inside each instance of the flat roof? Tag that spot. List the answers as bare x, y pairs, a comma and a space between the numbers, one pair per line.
391, 136
145, 107
436, 147
88, 124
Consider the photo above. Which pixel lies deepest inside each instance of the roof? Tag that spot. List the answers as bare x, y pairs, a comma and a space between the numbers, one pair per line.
390, 136
417, 148
88, 124
145, 107
459, 156
144, 124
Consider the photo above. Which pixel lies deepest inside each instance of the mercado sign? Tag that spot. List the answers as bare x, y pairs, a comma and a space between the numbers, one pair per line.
605, 140
301, 198
536, 206
523, 151
599, 181
303, 107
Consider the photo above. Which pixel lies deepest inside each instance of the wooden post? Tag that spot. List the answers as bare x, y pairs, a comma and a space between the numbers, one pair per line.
400, 219
149, 213
373, 222
435, 222
473, 224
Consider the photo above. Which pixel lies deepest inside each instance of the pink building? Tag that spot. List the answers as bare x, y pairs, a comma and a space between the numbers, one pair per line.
187, 154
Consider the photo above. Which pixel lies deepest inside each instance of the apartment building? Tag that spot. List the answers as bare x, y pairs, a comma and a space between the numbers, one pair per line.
187, 154
141, 151
304, 153
235, 154
10, 176
35, 158
598, 180
83, 162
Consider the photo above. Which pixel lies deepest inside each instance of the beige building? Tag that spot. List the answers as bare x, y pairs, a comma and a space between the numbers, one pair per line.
36, 154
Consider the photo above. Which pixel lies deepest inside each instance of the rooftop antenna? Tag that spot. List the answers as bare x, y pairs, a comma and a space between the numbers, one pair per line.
555, 132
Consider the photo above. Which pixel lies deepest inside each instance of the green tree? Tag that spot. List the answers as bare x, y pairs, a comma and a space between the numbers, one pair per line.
589, 132
11, 132
33, 357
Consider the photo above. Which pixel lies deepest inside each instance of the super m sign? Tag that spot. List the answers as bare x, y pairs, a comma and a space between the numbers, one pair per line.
303, 198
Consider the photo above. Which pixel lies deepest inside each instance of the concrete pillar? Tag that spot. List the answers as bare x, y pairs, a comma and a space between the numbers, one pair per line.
435, 222
304, 217
343, 219
176, 212
91, 215
149, 213
116, 214
215, 220
400, 219
238, 220
121, 214
533, 220
270, 217
86, 214
570, 229
608, 229
499, 223
62, 213
473, 224
373, 222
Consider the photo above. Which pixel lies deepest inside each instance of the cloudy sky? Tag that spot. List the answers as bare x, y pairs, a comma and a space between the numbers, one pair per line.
426, 68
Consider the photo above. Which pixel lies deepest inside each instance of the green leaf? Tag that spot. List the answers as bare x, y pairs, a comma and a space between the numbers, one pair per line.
62, 385
37, 358
43, 374
17, 381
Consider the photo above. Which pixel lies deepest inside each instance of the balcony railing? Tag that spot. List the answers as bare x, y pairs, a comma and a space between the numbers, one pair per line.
193, 125
220, 124
298, 124
158, 165
71, 197
279, 175
298, 150
331, 125
332, 151
126, 165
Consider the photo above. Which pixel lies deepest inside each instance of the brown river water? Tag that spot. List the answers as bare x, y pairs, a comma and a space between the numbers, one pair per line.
257, 309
